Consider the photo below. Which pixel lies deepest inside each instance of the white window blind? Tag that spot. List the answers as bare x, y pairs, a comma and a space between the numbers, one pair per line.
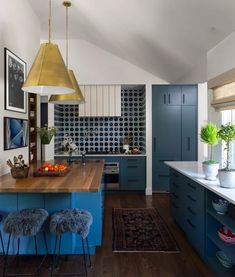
224, 97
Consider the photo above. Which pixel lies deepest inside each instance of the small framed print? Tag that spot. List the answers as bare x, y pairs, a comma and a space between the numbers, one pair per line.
15, 133
15, 74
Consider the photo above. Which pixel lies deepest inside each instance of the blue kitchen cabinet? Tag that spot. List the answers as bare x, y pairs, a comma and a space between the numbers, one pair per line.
174, 95
132, 170
189, 95
189, 133
174, 129
133, 173
188, 209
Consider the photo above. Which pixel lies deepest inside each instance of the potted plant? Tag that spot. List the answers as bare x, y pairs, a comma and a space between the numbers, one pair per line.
209, 135
46, 134
227, 174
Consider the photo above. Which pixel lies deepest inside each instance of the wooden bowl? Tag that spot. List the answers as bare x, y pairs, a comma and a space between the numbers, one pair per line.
20, 172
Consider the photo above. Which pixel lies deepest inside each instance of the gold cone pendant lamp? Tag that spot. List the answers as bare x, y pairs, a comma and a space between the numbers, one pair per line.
70, 98
48, 74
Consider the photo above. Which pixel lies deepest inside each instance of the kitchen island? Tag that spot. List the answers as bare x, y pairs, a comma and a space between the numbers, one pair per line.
191, 206
81, 188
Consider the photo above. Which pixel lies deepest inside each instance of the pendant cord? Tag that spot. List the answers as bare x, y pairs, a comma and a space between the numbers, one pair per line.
49, 22
67, 38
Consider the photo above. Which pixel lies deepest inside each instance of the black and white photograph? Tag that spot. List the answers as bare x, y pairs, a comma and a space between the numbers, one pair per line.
15, 72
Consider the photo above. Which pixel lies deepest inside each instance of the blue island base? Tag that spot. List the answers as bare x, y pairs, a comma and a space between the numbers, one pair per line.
52, 202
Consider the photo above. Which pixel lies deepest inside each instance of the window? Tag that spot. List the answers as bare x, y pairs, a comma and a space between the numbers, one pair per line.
228, 116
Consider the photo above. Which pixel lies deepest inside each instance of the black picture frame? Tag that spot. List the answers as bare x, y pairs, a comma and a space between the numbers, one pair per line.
15, 133
15, 74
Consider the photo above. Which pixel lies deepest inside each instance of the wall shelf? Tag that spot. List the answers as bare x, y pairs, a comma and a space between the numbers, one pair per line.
32, 109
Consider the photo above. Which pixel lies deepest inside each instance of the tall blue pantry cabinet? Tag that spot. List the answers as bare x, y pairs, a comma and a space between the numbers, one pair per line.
174, 129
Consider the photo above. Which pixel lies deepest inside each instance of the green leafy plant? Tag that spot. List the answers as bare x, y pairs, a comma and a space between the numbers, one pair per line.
46, 134
209, 135
227, 134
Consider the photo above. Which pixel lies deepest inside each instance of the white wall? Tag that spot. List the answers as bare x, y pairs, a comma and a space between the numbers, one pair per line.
202, 119
221, 62
20, 33
93, 65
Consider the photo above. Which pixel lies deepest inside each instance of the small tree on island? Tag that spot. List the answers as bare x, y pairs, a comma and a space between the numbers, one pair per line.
209, 135
227, 134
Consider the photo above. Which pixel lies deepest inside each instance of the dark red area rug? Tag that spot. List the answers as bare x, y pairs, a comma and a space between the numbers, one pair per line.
141, 230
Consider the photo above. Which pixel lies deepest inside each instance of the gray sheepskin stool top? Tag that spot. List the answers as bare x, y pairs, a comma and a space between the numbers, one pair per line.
27, 222
71, 220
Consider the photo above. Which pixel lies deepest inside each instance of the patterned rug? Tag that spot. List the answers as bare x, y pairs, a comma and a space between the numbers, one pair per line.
141, 230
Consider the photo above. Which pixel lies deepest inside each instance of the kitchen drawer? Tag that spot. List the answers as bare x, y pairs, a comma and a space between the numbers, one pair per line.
134, 169
135, 160
175, 210
175, 176
193, 188
195, 233
133, 183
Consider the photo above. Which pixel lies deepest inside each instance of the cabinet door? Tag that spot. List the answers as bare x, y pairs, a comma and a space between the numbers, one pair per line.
133, 173
189, 95
189, 133
174, 95
159, 96
166, 143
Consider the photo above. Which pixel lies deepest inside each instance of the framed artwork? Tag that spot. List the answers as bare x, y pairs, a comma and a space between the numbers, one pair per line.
15, 74
15, 133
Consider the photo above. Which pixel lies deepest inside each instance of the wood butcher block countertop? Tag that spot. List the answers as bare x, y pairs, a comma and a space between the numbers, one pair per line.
81, 178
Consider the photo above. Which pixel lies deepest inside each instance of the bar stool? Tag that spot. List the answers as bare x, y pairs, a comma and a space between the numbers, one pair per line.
74, 221
27, 222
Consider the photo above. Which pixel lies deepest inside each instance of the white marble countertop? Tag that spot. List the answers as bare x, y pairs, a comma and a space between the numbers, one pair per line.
193, 170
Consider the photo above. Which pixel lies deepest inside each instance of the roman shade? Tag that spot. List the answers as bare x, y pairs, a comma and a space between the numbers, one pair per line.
224, 97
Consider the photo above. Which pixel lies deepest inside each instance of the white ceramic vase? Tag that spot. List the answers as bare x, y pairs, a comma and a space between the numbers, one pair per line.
210, 171
227, 178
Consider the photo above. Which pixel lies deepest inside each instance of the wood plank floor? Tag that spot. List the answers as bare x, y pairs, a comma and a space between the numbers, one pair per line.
108, 264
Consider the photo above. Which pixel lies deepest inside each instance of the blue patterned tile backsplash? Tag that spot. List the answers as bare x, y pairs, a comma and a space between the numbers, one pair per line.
104, 133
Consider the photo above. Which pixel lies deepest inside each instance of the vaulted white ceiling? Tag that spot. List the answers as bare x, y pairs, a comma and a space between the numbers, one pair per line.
163, 37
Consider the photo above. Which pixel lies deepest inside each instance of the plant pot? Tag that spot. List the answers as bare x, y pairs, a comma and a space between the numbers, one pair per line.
210, 171
46, 139
227, 178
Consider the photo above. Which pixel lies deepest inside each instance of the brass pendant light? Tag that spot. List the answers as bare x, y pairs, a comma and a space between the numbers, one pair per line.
71, 98
48, 74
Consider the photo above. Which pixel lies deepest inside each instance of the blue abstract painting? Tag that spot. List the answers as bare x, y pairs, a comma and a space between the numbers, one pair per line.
15, 133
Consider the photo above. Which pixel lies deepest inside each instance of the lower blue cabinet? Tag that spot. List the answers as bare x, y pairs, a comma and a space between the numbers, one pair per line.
188, 209
133, 173
132, 170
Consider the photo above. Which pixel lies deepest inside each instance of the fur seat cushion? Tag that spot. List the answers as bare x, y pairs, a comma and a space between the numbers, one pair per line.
27, 222
71, 220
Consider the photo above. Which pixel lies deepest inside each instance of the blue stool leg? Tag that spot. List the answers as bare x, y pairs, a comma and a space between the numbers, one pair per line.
88, 252
54, 255
6, 256
84, 257
58, 253
3, 250
45, 241
18, 251
36, 253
